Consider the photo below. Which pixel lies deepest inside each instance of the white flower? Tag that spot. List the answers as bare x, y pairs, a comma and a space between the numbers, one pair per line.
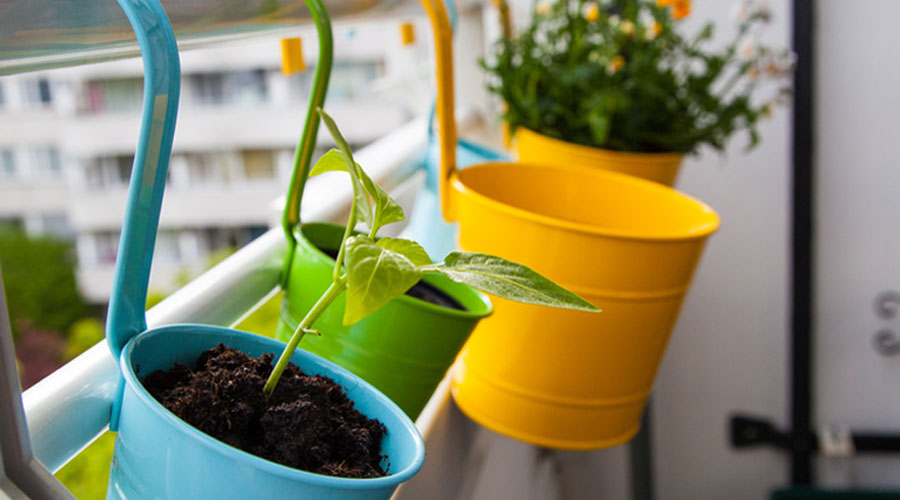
740, 11
614, 20
763, 10
543, 8
744, 10
746, 48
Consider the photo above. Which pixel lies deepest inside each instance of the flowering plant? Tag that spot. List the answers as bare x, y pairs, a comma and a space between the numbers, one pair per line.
618, 74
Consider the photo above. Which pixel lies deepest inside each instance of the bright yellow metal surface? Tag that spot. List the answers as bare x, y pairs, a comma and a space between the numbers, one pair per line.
407, 34
292, 56
552, 377
561, 378
532, 147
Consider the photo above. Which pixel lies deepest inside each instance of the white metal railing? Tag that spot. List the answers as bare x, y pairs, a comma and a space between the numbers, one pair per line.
70, 408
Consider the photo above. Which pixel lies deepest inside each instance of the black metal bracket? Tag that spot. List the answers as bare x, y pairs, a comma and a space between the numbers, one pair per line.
750, 432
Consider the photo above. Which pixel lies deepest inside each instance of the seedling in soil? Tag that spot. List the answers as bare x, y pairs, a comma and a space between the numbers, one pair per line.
373, 272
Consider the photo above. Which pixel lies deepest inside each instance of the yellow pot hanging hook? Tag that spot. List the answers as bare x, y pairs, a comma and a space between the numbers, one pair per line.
407, 34
292, 56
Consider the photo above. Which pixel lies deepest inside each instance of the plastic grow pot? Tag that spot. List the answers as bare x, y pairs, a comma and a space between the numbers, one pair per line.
156, 454
552, 377
534, 148
404, 348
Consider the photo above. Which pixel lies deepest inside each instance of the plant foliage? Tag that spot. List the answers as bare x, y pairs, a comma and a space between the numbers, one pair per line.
372, 272
619, 74
39, 279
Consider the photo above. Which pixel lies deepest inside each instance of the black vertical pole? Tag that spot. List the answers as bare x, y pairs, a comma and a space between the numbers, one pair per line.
802, 282
641, 458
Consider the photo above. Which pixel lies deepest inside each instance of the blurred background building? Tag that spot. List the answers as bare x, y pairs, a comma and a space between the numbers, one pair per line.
67, 138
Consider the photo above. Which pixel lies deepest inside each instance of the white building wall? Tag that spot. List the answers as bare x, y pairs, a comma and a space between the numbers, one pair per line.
220, 131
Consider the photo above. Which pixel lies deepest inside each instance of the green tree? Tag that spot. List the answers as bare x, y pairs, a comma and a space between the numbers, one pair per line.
39, 278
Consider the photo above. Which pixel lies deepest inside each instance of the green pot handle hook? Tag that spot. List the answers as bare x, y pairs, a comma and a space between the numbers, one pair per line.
303, 155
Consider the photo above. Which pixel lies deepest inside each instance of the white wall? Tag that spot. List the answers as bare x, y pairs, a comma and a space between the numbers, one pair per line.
858, 243
729, 350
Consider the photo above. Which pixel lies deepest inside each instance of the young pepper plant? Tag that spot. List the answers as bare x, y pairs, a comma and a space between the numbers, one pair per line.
373, 272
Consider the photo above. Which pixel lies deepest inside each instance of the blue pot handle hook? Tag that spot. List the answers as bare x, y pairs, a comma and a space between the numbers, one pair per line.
162, 84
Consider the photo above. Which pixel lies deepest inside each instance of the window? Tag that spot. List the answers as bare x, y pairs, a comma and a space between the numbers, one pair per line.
350, 79
36, 92
208, 88
121, 166
167, 247
56, 224
108, 171
229, 88
7, 164
204, 168
246, 87
107, 244
258, 164
217, 238
46, 162
120, 94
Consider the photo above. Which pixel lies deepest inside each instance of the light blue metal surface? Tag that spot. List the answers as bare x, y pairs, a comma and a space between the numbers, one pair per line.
160, 456
157, 455
162, 85
427, 225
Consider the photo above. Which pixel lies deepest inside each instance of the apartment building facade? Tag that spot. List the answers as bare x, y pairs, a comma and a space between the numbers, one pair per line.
67, 139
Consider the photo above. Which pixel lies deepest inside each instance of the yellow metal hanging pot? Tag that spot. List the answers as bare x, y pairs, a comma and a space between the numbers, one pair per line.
532, 147
553, 377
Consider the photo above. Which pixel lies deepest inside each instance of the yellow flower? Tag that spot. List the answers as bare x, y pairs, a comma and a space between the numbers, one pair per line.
616, 64
591, 11
682, 9
543, 8
627, 28
665, 3
655, 29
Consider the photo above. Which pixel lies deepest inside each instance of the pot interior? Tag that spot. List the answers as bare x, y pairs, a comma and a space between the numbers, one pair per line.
160, 348
317, 236
590, 200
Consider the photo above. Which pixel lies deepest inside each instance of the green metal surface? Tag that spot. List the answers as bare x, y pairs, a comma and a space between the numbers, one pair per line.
403, 349
307, 144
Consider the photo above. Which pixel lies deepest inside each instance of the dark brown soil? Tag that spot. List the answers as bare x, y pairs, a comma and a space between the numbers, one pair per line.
308, 423
421, 290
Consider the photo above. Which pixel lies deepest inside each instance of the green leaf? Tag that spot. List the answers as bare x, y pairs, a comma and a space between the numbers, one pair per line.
507, 279
335, 161
408, 248
386, 209
375, 275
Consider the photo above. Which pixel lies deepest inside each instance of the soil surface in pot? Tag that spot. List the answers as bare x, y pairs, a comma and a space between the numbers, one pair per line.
421, 290
308, 423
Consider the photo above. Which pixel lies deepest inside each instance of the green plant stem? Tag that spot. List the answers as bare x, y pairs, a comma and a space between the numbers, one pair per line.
336, 288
